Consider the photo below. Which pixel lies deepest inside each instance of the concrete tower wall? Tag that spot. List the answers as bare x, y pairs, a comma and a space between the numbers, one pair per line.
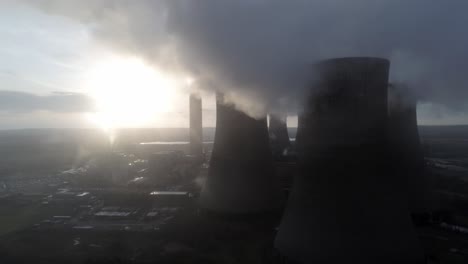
345, 108
196, 127
344, 206
241, 179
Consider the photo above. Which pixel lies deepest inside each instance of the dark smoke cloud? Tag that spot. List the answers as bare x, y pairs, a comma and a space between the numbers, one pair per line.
13, 101
262, 51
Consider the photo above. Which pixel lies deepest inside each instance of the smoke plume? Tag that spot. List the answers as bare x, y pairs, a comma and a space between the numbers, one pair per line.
260, 52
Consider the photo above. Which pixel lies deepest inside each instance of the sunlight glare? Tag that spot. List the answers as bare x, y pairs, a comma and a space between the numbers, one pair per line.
129, 93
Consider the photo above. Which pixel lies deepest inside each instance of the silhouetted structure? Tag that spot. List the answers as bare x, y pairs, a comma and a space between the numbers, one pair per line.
406, 152
279, 137
196, 127
344, 206
241, 178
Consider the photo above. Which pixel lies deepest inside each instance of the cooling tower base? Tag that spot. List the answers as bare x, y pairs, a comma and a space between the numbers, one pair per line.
272, 216
241, 201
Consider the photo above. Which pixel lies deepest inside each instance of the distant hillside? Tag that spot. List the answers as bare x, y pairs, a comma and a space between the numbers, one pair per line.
452, 132
40, 151
33, 137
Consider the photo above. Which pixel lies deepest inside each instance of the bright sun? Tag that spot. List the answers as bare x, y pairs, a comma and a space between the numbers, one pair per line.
128, 93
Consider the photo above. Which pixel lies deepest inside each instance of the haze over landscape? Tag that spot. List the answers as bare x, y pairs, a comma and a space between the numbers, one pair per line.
233, 131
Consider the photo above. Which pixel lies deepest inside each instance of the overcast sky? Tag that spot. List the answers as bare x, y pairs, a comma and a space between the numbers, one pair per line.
258, 51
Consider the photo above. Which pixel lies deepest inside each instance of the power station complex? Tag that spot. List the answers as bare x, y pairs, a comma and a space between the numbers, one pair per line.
360, 167
352, 185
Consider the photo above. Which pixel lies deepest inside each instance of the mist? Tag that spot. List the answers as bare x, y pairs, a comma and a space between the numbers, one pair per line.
260, 53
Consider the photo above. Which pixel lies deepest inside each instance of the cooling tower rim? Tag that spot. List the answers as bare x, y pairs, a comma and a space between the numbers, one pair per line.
354, 60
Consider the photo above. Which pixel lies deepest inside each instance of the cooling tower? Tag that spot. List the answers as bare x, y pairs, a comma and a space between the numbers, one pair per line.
344, 206
241, 177
196, 133
279, 137
405, 148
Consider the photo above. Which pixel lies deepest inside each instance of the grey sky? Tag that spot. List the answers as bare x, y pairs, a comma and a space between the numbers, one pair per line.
258, 50
61, 102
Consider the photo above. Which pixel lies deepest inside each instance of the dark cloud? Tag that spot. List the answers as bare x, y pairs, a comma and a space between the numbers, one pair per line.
13, 101
261, 51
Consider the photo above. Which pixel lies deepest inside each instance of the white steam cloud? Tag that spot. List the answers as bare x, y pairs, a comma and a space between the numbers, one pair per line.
260, 52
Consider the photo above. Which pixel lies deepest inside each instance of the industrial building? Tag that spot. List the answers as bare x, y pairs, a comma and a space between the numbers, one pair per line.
405, 148
241, 177
344, 205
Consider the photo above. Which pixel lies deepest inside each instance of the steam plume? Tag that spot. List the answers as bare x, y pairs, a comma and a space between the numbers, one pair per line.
259, 52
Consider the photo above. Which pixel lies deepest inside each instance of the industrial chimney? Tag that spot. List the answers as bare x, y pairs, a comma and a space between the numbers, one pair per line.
196, 128
279, 137
344, 206
405, 147
241, 179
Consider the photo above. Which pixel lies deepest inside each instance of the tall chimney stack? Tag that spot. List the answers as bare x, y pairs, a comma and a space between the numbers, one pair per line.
241, 178
405, 148
344, 205
196, 128
279, 137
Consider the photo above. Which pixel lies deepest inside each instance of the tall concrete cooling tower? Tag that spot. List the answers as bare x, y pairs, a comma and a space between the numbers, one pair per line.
405, 148
344, 206
279, 137
241, 177
196, 128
